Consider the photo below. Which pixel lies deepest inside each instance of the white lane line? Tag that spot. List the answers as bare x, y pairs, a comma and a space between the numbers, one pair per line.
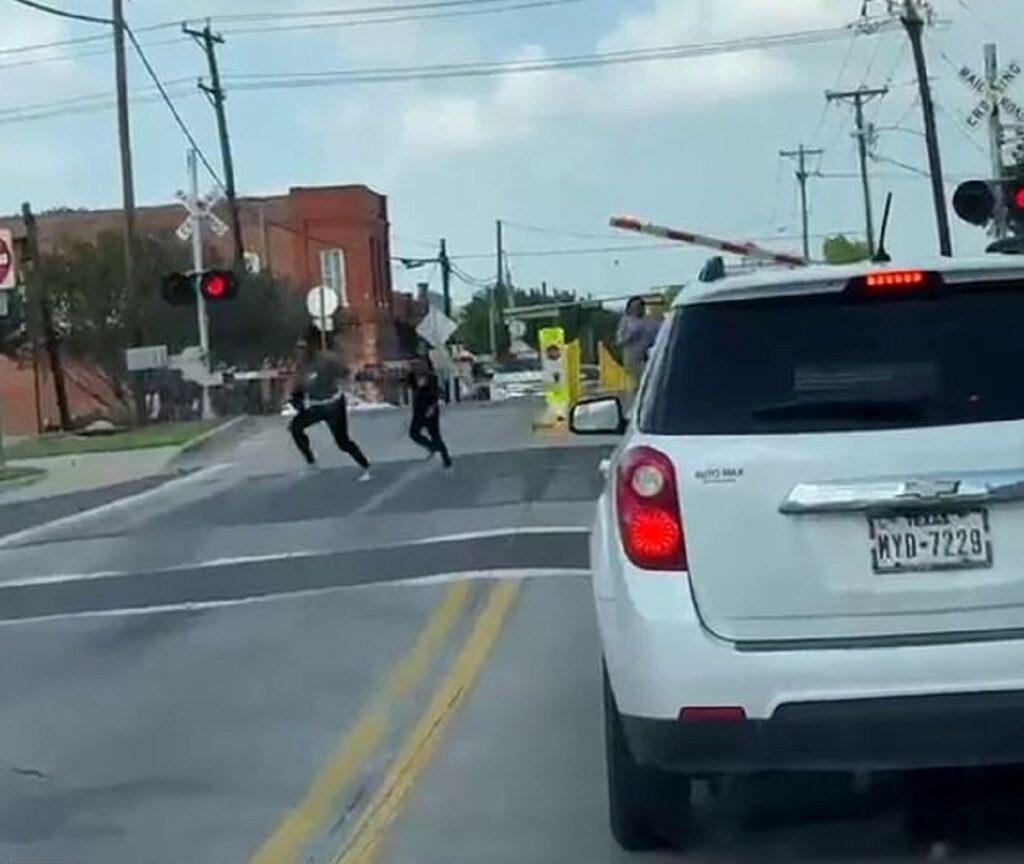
295, 555
500, 532
20, 538
202, 605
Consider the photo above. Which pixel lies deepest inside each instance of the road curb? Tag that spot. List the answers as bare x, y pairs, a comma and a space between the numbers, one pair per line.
204, 439
33, 475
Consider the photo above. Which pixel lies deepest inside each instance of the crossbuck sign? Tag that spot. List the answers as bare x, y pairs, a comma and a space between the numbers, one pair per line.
991, 96
205, 211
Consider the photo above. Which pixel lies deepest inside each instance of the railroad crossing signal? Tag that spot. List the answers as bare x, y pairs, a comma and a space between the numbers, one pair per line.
204, 210
179, 289
994, 95
975, 202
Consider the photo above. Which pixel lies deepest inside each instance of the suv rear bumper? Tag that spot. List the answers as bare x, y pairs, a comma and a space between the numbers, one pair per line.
936, 731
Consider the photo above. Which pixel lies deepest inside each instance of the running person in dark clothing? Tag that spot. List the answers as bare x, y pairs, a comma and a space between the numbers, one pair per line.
426, 411
318, 398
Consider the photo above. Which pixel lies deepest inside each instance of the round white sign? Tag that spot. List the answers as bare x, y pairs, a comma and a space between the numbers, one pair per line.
322, 301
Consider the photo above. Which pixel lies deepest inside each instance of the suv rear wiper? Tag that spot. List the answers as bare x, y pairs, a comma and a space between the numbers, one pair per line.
867, 408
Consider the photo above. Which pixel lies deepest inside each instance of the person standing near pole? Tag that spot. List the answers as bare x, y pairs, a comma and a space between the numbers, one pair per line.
317, 397
425, 395
636, 335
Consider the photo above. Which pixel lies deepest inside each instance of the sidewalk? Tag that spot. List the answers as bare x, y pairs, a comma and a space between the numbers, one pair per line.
87, 471
83, 472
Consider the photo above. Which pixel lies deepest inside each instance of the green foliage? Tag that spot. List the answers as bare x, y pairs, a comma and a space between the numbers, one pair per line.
263, 321
474, 326
91, 308
841, 250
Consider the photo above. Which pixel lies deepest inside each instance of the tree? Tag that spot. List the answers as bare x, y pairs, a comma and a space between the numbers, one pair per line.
577, 319
86, 284
841, 250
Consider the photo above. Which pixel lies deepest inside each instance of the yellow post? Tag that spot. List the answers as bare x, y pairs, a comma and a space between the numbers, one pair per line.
612, 376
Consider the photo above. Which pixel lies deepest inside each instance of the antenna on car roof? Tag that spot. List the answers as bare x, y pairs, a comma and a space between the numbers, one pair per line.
881, 255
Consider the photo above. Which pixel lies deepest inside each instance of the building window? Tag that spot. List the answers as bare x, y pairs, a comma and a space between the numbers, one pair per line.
332, 272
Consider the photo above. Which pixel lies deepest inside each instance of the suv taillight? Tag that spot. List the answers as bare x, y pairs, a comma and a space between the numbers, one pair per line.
647, 502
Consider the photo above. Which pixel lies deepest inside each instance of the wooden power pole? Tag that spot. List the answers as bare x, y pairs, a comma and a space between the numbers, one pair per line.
801, 154
914, 24
208, 41
124, 136
859, 98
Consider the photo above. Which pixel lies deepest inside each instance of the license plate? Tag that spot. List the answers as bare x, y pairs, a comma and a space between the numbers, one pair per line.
930, 540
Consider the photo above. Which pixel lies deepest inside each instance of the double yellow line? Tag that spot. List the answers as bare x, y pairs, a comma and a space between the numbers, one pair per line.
315, 812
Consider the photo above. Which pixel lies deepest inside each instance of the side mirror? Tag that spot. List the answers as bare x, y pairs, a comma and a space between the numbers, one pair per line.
601, 416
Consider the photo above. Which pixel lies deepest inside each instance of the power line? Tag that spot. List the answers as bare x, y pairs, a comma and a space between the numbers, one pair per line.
399, 19
63, 13
510, 6
170, 105
266, 81
363, 10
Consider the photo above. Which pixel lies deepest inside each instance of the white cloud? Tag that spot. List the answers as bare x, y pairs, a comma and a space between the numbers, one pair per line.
516, 106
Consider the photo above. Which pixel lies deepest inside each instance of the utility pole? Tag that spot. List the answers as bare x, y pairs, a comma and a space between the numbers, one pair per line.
801, 154
127, 174
196, 218
914, 25
208, 40
446, 277
50, 337
446, 288
499, 285
995, 141
860, 98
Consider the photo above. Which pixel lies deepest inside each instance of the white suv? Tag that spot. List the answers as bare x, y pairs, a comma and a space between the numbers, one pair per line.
810, 554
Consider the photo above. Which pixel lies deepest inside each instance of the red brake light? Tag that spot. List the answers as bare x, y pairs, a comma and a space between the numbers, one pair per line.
896, 279
647, 502
885, 283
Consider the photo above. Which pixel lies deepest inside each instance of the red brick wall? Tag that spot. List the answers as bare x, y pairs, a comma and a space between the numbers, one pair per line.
87, 394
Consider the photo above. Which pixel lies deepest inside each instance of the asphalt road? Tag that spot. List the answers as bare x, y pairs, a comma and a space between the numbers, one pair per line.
252, 663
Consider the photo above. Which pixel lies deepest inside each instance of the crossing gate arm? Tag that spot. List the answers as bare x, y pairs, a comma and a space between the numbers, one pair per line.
746, 249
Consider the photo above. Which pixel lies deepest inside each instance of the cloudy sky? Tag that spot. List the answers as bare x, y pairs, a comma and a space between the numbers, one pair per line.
688, 142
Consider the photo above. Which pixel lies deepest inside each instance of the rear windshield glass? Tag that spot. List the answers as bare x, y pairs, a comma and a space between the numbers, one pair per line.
831, 363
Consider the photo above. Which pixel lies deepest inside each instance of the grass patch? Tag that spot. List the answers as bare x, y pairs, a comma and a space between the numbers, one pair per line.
13, 475
145, 437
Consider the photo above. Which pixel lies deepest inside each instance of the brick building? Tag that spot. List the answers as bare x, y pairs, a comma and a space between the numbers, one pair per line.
332, 235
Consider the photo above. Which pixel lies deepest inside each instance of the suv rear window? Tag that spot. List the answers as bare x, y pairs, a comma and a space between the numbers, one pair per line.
832, 363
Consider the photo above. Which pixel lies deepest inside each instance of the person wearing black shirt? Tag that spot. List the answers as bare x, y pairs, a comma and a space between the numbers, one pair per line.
426, 412
318, 398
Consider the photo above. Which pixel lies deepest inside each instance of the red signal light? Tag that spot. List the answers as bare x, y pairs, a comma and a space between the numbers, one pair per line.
215, 285
1018, 198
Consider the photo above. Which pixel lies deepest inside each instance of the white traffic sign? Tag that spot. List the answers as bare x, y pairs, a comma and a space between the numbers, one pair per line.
184, 230
8, 270
517, 328
994, 95
147, 357
203, 210
436, 328
322, 302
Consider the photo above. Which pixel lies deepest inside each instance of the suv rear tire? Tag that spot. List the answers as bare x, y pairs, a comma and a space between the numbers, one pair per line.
647, 808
